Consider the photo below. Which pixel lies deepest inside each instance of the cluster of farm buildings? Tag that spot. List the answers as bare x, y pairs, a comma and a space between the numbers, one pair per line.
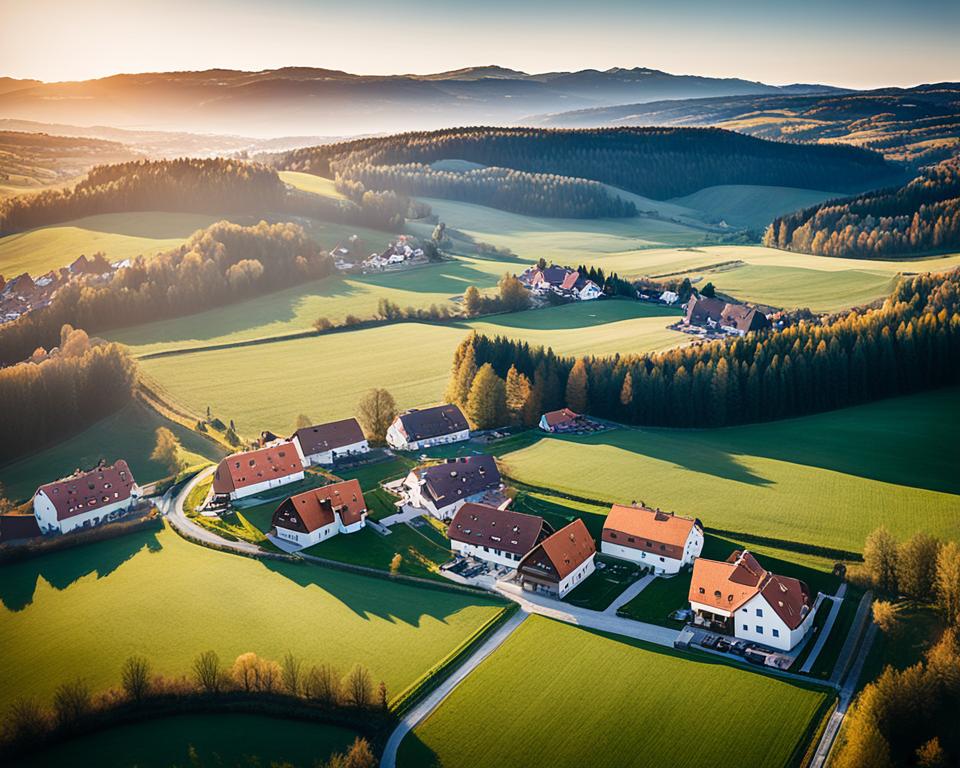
404, 252
23, 294
736, 597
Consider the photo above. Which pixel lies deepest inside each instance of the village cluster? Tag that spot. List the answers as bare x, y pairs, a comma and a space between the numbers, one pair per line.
404, 252
737, 604
23, 294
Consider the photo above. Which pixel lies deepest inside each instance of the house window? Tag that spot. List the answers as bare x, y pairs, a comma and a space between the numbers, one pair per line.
745, 628
613, 535
759, 611
759, 630
776, 633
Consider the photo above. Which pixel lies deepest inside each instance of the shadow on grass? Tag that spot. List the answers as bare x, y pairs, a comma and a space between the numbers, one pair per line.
414, 753
18, 582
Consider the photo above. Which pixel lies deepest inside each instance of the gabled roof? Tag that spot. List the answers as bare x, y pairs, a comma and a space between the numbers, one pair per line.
329, 436
789, 597
561, 553
432, 422
700, 309
562, 416
240, 470
313, 509
651, 530
86, 491
503, 529
458, 479
743, 318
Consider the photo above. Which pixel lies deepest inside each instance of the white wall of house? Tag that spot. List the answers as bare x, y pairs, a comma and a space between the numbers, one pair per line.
487, 554
46, 513
397, 439
589, 292
309, 539
361, 523
757, 622
327, 458
574, 578
266, 485
661, 564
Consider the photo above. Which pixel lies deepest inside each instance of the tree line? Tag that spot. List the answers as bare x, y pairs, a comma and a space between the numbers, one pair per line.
351, 698
656, 162
910, 343
58, 394
215, 185
221, 264
923, 215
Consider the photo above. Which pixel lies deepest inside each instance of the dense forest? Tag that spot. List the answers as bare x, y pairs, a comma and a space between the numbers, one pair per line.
921, 216
657, 162
199, 186
910, 343
58, 394
218, 265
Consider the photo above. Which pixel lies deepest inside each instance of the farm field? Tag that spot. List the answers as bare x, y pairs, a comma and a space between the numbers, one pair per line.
313, 367
217, 740
119, 235
548, 670
308, 182
128, 434
170, 600
824, 480
752, 206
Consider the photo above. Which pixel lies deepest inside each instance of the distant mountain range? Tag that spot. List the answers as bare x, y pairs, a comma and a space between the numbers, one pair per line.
304, 100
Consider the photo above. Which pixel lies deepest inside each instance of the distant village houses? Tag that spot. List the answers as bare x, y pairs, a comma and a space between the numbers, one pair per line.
662, 541
723, 317
23, 293
324, 443
417, 429
252, 472
441, 489
562, 281
740, 597
321, 513
560, 562
403, 252
563, 420
86, 498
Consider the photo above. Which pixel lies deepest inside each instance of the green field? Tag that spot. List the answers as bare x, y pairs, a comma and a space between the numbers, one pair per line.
824, 480
118, 235
81, 612
412, 360
752, 206
128, 434
216, 739
553, 693
310, 183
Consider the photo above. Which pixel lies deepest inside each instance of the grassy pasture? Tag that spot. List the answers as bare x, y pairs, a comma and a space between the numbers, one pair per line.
825, 480
752, 206
570, 690
411, 359
217, 739
128, 434
119, 235
308, 182
83, 611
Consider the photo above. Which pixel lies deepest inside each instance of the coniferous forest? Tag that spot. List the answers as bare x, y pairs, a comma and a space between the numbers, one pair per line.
921, 216
911, 343
656, 162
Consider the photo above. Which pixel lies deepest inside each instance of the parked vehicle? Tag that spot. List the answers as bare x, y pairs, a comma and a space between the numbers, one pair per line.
709, 641
723, 645
739, 647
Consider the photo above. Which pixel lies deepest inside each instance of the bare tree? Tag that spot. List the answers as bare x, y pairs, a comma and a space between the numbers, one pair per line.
358, 687
323, 685
292, 672
25, 721
135, 677
71, 701
208, 673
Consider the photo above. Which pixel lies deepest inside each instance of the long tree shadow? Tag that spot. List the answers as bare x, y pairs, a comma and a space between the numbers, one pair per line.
414, 753
18, 581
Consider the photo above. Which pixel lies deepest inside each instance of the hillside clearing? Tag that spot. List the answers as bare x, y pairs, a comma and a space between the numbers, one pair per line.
169, 600
568, 690
308, 182
751, 206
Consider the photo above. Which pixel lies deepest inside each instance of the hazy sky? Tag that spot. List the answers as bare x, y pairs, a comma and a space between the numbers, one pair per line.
858, 43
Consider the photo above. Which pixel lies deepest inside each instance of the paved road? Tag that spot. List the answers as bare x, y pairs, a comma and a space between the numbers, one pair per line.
825, 630
629, 593
431, 702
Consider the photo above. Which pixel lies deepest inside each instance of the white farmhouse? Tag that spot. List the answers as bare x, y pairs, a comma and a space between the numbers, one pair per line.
499, 536
320, 513
664, 542
560, 562
325, 443
418, 429
442, 489
253, 472
740, 597
86, 498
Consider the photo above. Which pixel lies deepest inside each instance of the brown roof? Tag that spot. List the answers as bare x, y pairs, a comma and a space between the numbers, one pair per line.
560, 417
502, 529
328, 437
743, 318
432, 422
700, 309
313, 509
459, 478
789, 597
561, 553
86, 491
251, 467
648, 529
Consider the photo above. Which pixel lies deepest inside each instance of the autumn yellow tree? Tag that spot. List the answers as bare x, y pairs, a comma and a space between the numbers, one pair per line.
576, 394
518, 392
487, 402
167, 451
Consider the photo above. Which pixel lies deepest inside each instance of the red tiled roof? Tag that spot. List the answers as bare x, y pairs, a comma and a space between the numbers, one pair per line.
562, 416
315, 508
650, 530
562, 552
251, 467
87, 491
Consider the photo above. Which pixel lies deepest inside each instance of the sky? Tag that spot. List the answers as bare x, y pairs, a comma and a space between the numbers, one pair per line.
852, 43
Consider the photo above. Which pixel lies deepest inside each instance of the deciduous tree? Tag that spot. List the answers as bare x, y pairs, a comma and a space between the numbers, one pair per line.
487, 402
376, 411
576, 392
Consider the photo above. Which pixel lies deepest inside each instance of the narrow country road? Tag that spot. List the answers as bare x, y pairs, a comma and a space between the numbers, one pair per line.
825, 632
422, 710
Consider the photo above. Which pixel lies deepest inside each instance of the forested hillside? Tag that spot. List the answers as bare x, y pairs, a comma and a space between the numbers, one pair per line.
221, 264
921, 216
197, 186
911, 343
655, 162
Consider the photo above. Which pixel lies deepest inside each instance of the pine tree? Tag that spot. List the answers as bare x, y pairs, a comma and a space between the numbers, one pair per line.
487, 402
518, 392
460, 386
626, 391
576, 392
